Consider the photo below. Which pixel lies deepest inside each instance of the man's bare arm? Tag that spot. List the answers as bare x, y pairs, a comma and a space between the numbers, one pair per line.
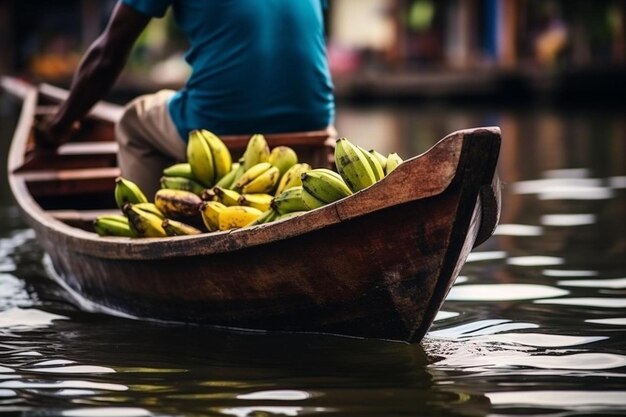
99, 69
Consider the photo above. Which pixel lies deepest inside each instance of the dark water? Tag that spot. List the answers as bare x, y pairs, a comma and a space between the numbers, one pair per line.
534, 326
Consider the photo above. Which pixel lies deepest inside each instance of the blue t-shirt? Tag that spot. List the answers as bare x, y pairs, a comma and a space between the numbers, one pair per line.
257, 65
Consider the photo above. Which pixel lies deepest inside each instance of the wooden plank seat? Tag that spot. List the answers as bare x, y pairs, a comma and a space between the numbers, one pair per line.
70, 181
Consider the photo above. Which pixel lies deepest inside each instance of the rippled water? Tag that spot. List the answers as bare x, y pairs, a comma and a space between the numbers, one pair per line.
535, 324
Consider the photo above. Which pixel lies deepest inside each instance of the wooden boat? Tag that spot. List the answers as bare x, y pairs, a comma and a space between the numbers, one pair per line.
377, 264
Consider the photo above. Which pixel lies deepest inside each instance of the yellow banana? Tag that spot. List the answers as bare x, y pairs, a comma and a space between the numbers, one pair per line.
227, 197
227, 180
177, 203
352, 166
258, 201
267, 217
251, 174
181, 183
150, 208
291, 178
325, 185
112, 225
142, 223
200, 159
381, 158
210, 211
264, 183
176, 228
377, 169
237, 216
290, 200
127, 191
222, 161
257, 151
179, 170
310, 201
283, 158
393, 160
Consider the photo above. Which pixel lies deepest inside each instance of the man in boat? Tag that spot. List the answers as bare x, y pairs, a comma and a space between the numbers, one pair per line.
257, 66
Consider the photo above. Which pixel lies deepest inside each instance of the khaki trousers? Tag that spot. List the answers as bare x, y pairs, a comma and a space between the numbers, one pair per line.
148, 141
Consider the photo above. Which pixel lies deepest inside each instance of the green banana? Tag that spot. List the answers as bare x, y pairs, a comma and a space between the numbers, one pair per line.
227, 197
227, 180
127, 191
200, 159
292, 178
283, 158
237, 216
142, 223
325, 185
181, 183
251, 174
238, 173
263, 183
258, 201
179, 170
210, 211
381, 158
352, 166
150, 208
176, 228
112, 225
290, 200
177, 203
222, 160
393, 160
257, 151
377, 169
267, 217
310, 201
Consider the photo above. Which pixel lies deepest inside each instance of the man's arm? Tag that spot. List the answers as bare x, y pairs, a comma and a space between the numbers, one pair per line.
99, 69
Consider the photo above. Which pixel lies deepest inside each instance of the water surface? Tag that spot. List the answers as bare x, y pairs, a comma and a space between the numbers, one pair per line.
533, 326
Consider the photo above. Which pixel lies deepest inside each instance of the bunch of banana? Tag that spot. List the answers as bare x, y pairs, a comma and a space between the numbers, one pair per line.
377, 169
226, 196
112, 225
229, 179
208, 157
182, 183
260, 178
382, 160
283, 158
143, 223
127, 191
258, 201
292, 178
176, 228
353, 166
236, 217
177, 203
393, 160
322, 186
257, 151
210, 211
179, 170
289, 201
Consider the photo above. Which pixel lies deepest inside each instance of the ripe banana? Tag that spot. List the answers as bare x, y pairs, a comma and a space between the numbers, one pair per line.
200, 159
258, 201
289, 201
227, 180
127, 191
381, 158
251, 174
237, 216
352, 166
176, 228
264, 183
179, 170
177, 203
112, 225
227, 197
310, 201
222, 161
142, 223
292, 178
377, 169
267, 217
393, 160
181, 183
150, 208
210, 211
325, 185
257, 151
283, 158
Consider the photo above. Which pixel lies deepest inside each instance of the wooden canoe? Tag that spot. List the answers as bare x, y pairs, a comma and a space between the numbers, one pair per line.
377, 264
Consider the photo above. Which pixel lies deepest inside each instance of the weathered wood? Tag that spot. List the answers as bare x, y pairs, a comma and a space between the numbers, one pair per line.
376, 264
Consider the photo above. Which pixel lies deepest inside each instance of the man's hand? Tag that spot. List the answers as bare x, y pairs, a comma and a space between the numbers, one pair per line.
49, 135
